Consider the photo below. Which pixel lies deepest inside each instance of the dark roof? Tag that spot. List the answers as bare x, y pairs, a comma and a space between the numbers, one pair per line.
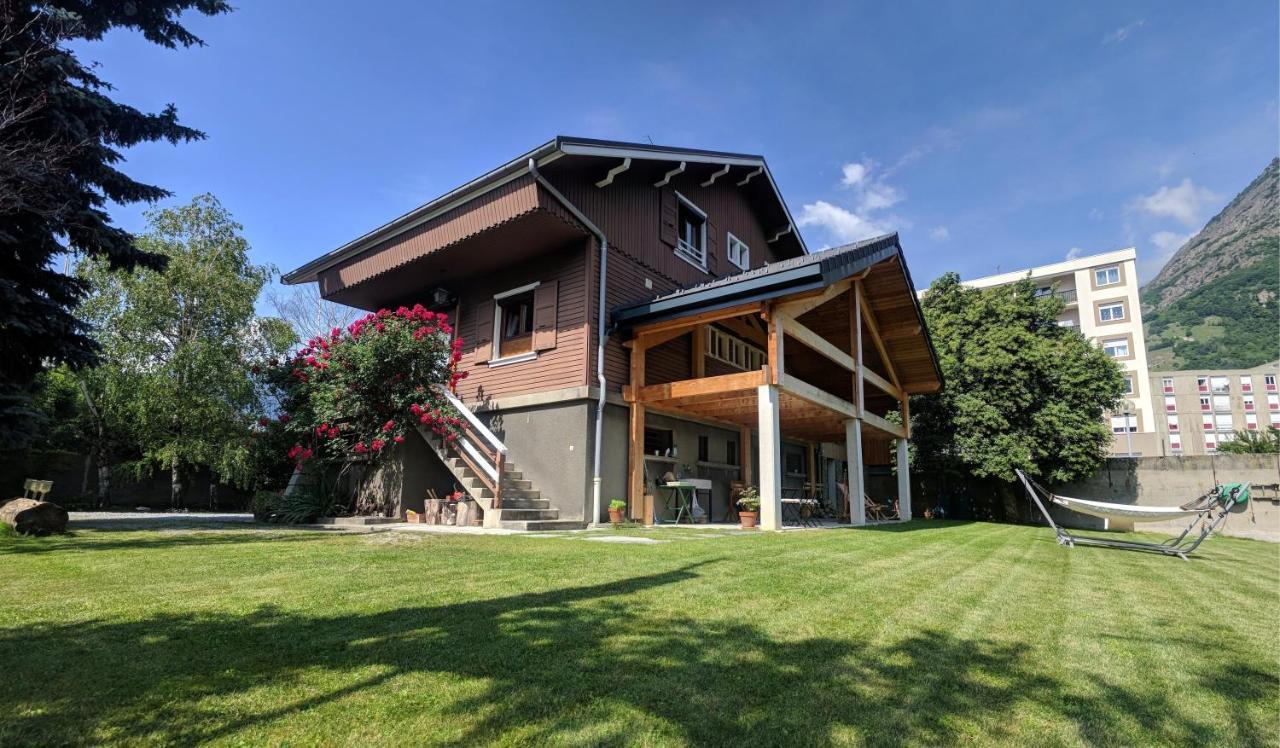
561, 145
788, 276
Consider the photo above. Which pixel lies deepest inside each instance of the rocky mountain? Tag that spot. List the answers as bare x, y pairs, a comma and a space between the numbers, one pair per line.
1214, 304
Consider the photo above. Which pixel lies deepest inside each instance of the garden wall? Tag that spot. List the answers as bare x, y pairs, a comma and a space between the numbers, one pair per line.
71, 490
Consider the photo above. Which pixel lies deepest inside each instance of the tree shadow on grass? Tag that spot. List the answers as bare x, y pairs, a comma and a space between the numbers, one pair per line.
600, 659
157, 538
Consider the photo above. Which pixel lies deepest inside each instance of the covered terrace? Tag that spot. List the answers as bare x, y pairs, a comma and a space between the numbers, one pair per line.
845, 345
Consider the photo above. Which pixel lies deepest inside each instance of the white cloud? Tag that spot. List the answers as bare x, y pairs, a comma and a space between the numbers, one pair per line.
853, 174
1165, 244
1183, 203
939, 233
862, 214
841, 224
1074, 252
1124, 32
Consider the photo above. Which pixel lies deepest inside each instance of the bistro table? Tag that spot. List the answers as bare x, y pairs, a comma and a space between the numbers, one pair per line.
680, 497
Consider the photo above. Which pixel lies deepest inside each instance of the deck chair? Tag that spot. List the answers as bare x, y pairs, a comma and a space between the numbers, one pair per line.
1207, 512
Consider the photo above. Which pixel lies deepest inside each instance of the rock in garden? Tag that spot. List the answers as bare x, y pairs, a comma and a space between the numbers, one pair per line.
31, 517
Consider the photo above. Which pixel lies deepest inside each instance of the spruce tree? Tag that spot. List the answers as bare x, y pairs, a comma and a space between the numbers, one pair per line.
61, 140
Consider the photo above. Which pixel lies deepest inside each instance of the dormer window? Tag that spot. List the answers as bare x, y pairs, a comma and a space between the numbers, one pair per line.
738, 252
691, 233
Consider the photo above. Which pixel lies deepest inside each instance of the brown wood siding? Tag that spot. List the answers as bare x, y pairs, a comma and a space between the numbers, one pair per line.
555, 368
670, 361
629, 212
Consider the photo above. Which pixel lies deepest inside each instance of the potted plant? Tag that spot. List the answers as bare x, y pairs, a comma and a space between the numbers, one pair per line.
749, 507
616, 508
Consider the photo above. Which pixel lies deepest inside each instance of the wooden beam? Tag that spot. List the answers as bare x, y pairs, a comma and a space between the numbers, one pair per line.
635, 434
881, 383
686, 323
855, 344
806, 391
704, 386
906, 415
869, 318
800, 306
699, 367
744, 454
776, 351
813, 340
654, 339
880, 424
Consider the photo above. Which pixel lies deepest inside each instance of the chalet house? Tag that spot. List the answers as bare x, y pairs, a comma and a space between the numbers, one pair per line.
632, 312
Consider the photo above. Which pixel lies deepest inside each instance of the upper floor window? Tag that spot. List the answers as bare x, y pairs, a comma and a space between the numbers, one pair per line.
1124, 424
1167, 384
1128, 384
1219, 384
1202, 384
1173, 422
1111, 312
1248, 402
1270, 381
1251, 421
738, 252
1106, 276
733, 350
691, 232
1116, 348
1170, 404
1246, 383
514, 321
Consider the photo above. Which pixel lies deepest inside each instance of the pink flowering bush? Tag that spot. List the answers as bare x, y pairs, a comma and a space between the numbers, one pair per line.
359, 391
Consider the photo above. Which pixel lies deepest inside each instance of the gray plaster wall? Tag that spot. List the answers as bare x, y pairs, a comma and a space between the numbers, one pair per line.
551, 445
1171, 481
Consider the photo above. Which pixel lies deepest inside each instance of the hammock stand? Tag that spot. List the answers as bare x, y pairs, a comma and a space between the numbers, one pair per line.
1207, 513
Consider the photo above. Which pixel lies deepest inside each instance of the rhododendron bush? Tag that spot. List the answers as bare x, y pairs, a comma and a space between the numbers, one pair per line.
359, 391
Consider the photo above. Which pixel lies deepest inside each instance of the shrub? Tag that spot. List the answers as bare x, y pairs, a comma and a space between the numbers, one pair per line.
617, 505
749, 499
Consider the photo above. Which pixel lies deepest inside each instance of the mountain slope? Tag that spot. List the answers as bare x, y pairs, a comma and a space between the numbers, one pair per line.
1214, 304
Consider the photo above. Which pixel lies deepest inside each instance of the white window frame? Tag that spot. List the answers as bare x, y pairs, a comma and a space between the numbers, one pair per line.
496, 358
1128, 384
1127, 424
1166, 384
1105, 273
1111, 305
1206, 404
1251, 421
681, 250
1219, 384
1170, 404
1273, 402
1116, 343
1249, 403
743, 261
1172, 421
1224, 422
1222, 403
1269, 382
732, 350
1246, 383
1175, 443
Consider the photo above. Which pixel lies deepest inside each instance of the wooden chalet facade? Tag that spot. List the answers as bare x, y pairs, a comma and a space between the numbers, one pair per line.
721, 330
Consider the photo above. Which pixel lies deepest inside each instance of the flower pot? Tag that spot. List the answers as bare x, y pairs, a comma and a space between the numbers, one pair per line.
748, 519
615, 516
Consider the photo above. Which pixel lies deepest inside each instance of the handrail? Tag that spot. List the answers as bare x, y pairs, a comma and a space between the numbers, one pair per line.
475, 423
480, 448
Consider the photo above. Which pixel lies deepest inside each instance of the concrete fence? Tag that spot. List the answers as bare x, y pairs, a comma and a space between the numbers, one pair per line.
1171, 481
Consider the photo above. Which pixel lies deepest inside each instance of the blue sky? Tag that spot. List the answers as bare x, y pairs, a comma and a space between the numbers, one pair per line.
991, 135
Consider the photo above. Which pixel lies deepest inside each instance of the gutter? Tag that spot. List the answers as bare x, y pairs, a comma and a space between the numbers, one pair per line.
602, 335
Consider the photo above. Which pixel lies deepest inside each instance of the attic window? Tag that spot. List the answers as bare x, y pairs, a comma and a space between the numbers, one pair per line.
691, 233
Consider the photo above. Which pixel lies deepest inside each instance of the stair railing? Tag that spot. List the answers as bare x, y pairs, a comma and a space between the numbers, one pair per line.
480, 449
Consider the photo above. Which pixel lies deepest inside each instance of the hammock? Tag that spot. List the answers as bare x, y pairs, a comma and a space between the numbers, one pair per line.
1208, 512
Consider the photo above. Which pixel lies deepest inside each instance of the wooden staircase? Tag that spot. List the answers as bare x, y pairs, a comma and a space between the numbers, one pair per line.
510, 502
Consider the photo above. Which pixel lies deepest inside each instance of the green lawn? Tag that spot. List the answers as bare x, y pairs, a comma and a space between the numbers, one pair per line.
926, 634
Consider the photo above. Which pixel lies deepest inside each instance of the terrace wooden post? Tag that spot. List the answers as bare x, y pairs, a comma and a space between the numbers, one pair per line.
699, 366
853, 426
744, 455
770, 457
904, 469
635, 435
857, 488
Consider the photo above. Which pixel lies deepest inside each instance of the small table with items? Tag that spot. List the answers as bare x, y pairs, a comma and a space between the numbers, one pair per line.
682, 498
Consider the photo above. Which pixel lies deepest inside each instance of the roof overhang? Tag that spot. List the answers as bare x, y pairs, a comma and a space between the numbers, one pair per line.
544, 154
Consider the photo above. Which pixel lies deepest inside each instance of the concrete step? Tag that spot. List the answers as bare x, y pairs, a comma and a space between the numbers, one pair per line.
516, 503
542, 525
509, 514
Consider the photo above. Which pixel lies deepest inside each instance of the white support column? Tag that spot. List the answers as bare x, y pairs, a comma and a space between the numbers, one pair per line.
857, 482
904, 482
770, 458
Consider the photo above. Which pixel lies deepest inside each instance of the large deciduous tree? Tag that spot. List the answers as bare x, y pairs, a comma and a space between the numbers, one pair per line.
187, 340
1021, 391
61, 137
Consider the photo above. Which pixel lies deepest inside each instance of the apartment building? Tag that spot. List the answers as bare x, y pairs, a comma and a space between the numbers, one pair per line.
1204, 409
1101, 296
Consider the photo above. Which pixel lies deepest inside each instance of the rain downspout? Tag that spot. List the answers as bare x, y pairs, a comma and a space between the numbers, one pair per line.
602, 337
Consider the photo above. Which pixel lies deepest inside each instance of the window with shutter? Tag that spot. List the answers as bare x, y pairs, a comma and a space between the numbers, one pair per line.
544, 316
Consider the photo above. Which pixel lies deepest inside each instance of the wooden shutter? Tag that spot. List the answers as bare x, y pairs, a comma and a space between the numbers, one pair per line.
544, 316
669, 213
713, 244
482, 332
